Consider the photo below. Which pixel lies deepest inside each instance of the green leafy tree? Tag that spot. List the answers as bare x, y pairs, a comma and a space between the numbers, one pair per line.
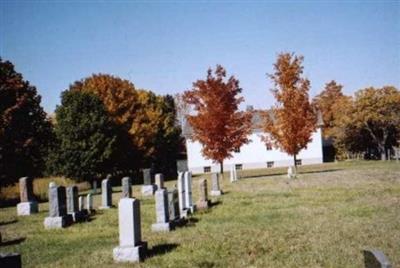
87, 138
25, 132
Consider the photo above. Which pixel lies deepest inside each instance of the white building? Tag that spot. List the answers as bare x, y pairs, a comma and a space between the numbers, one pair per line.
255, 154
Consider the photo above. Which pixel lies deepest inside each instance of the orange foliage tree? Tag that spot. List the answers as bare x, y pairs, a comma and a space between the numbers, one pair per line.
217, 124
290, 123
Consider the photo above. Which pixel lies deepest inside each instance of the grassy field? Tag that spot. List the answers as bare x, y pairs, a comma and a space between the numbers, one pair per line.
322, 219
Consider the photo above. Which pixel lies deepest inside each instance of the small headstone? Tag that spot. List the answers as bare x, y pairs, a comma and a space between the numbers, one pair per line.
147, 176
89, 203
233, 174
182, 195
126, 187
148, 189
160, 180
291, 173
182, 165
28, 205
75, 204
81, 202
58, 217
162, 212
215, 189
375, 259
203, 198
173, 205
188, 192
106, 194
10, 260
131, 247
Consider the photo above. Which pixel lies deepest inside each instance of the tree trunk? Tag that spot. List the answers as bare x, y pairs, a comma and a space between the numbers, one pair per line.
295, 164
221, 167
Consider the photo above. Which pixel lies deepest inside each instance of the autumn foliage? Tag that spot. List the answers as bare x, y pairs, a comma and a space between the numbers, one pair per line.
217, 124
290, 124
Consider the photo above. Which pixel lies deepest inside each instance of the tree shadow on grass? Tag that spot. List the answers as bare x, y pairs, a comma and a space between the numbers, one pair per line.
189, 222
7, 222
285, 173
160, 249
216, 203
12, 242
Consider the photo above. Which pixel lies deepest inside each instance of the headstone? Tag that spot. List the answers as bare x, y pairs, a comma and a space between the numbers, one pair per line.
10, 260
233, 174
58, 217
126, 187
106, 194
173, 205
291, 173
215, 189
160, 180
182, 165
89, 203
52, 184
75, 204
203, 197
182, 195
375, 259
162, 214
188, 192
148, 189
28, 205
131, 247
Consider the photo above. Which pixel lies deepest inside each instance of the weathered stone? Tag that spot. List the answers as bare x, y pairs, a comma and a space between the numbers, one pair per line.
27, 208
181, 165
58, 217
233, 174
12, 260
126, 187
89, 203
106, 194
215, 189
28, 205
181, 194
162, 212
147, 176
81, 203
291, 173
159, 180
203, 198
188, 191
72, 199
149, 190
131, 248
173, 205
375, 259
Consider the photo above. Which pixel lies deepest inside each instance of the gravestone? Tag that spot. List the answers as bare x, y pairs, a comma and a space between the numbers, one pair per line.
159, 181
181, 195
182, 165
173, 205
215, 189
11, 260
188, 192
89, 203
291, 173
203, 197
131, 247
28, 205
375, 259
126, 187
75, 207
58, 217
106, 194
162, 213
233, 174
148, 188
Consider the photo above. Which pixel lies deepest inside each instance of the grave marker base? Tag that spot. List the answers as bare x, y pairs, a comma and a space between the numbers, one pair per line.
57, 222
27, 208
130, 253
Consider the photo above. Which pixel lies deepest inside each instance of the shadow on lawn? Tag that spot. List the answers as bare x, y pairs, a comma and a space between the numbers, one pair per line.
7, 222
284, 173
160, 250
190, 222
12, 242
216, 203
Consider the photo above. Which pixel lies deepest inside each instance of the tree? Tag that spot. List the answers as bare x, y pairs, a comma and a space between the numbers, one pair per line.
87, 138
25, 132
290, 124
217, 124
325, 102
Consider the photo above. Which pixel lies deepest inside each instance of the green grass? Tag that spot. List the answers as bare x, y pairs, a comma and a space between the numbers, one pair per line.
322, 219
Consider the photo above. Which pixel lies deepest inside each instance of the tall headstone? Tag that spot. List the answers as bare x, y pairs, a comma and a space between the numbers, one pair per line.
58, 217
28, 205
375, 259
75, 204
148, 188
188, 191
126, 187
159, 180
182, 195
131, 247
162, 213
203, 197
215, 189
106, 194
173, 205
233, 174
89, 203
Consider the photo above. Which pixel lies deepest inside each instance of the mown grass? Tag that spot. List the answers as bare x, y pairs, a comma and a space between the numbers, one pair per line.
322, 219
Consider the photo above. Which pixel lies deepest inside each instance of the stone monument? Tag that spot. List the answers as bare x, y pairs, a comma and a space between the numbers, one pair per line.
203, 202
159, 180
181, 195
173, 205
148, 187
188, 192
58, 217
162, 213
126, 187
215, 189
106, 194
28, 205
73, 208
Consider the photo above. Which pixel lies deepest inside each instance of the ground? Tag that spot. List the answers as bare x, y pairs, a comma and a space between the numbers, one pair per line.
322, 219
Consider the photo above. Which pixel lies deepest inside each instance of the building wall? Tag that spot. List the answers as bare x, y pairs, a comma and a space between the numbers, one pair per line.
255, 155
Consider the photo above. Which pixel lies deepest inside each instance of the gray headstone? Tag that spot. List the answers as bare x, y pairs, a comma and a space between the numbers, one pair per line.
72, 199
181, 191
81, 203
89, 202
57, 206
161, 197
173, 204
182, 165
375, 259
188, 189
160, 180
10, 260
203, 196
147, 176
215, 182
26, 189
126, 187
106, 194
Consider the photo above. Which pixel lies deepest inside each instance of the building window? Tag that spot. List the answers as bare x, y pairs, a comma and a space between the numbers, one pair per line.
270, 164
269, 146
237, 150
298, 162
207, 169
238, 166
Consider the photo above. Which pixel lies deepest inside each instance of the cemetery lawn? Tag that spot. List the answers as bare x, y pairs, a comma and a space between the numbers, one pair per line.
322, 219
